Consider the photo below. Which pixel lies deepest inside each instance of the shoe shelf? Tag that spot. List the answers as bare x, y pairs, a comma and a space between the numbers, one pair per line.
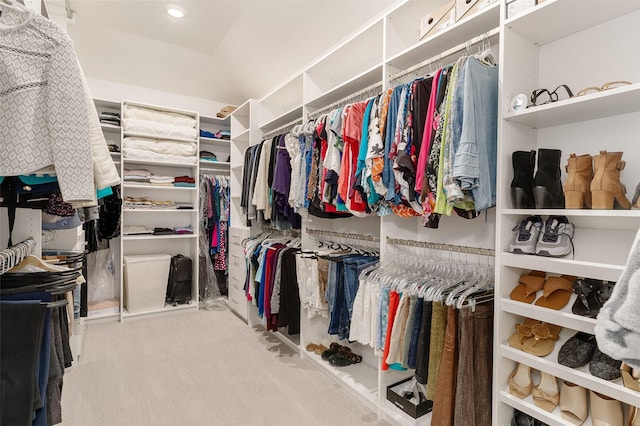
580, 376
579, 268
110, 128
214, 141
621, 100
159, 137
563, 316
526, 405
598, 219
158, 237
159, 163
361, 379
158, 187
556, 19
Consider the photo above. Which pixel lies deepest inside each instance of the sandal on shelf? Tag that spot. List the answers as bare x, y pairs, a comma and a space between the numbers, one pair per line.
546, 394
319, 350
587, 303
544, 339
522, 333
630, 377
605, 410
527, 287
520, 384
522, 419
311, 347
573, 403
578, 350
606, 86
544, 96
556, 292
334, 348
344, 358
604, 367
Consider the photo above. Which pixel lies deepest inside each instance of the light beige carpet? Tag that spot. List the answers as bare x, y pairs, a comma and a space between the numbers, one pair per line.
199, 368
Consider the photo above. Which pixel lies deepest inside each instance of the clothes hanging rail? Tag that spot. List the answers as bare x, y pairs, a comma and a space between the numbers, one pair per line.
271, 228
206, 171
367, 92
11, 256
359, 237
441, 246
285, 128
486, 37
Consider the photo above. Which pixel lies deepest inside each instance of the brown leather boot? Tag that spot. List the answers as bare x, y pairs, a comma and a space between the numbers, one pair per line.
576, 188
606, 188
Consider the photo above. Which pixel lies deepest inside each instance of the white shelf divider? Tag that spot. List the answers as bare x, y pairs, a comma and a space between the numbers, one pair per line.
602, 271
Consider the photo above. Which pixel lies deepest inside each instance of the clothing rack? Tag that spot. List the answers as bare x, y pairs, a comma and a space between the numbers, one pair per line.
206, 171
365, 93
271, 228
486, 37
442, 246
12, 256
285, 128
359, 237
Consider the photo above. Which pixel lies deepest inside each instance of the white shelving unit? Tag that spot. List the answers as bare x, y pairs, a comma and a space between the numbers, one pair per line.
172, 244
542, 48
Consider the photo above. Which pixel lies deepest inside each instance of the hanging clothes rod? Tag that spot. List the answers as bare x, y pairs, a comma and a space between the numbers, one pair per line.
441, 246
370, 90
271, 228
12, 256
282, 129
459, 48
359, 237
214, 171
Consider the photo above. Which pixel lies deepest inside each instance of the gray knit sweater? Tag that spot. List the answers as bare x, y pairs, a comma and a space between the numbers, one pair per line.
43, 112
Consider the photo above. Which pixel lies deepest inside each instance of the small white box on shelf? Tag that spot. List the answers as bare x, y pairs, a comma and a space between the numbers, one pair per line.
463, 6
516, 7
145, 281
438, 20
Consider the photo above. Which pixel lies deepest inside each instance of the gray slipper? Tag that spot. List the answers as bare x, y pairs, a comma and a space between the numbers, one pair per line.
578, 350
604, 367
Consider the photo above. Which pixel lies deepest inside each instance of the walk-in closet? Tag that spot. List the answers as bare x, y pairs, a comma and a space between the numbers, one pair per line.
383, 212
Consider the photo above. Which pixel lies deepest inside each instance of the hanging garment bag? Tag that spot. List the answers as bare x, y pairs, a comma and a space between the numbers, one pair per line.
179, 285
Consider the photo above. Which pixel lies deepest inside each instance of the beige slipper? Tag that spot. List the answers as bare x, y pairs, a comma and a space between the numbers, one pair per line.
520, 383
605, 410
573, 403
546, 394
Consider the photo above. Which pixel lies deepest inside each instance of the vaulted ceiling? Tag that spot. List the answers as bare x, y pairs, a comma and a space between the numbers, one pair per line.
223, 50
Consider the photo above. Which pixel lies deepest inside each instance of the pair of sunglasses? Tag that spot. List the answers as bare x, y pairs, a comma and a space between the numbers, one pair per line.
544, 96
606, 86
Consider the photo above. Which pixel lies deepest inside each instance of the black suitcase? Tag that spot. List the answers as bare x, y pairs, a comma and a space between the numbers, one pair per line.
179, 285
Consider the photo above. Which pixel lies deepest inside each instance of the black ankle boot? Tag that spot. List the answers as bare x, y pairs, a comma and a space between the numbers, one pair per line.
522, 183
547, 184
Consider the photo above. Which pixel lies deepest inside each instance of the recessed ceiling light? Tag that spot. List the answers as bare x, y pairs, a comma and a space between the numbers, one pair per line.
175, 12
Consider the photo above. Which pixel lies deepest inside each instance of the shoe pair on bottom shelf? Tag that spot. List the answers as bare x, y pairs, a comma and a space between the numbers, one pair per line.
576, 402
551, 238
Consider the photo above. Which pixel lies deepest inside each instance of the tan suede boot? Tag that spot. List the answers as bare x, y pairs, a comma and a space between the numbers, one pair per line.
577, 192
605, 186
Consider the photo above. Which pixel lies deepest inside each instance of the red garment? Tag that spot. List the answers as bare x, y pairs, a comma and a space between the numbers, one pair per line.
184, 179
394, 301
351, 134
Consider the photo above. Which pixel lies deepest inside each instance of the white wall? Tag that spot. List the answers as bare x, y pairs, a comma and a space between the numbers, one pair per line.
114, 91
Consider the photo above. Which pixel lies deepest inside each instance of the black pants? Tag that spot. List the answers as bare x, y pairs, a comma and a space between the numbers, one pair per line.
22, 325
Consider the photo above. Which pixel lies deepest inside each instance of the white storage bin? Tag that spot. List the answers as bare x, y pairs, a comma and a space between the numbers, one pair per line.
145, 281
